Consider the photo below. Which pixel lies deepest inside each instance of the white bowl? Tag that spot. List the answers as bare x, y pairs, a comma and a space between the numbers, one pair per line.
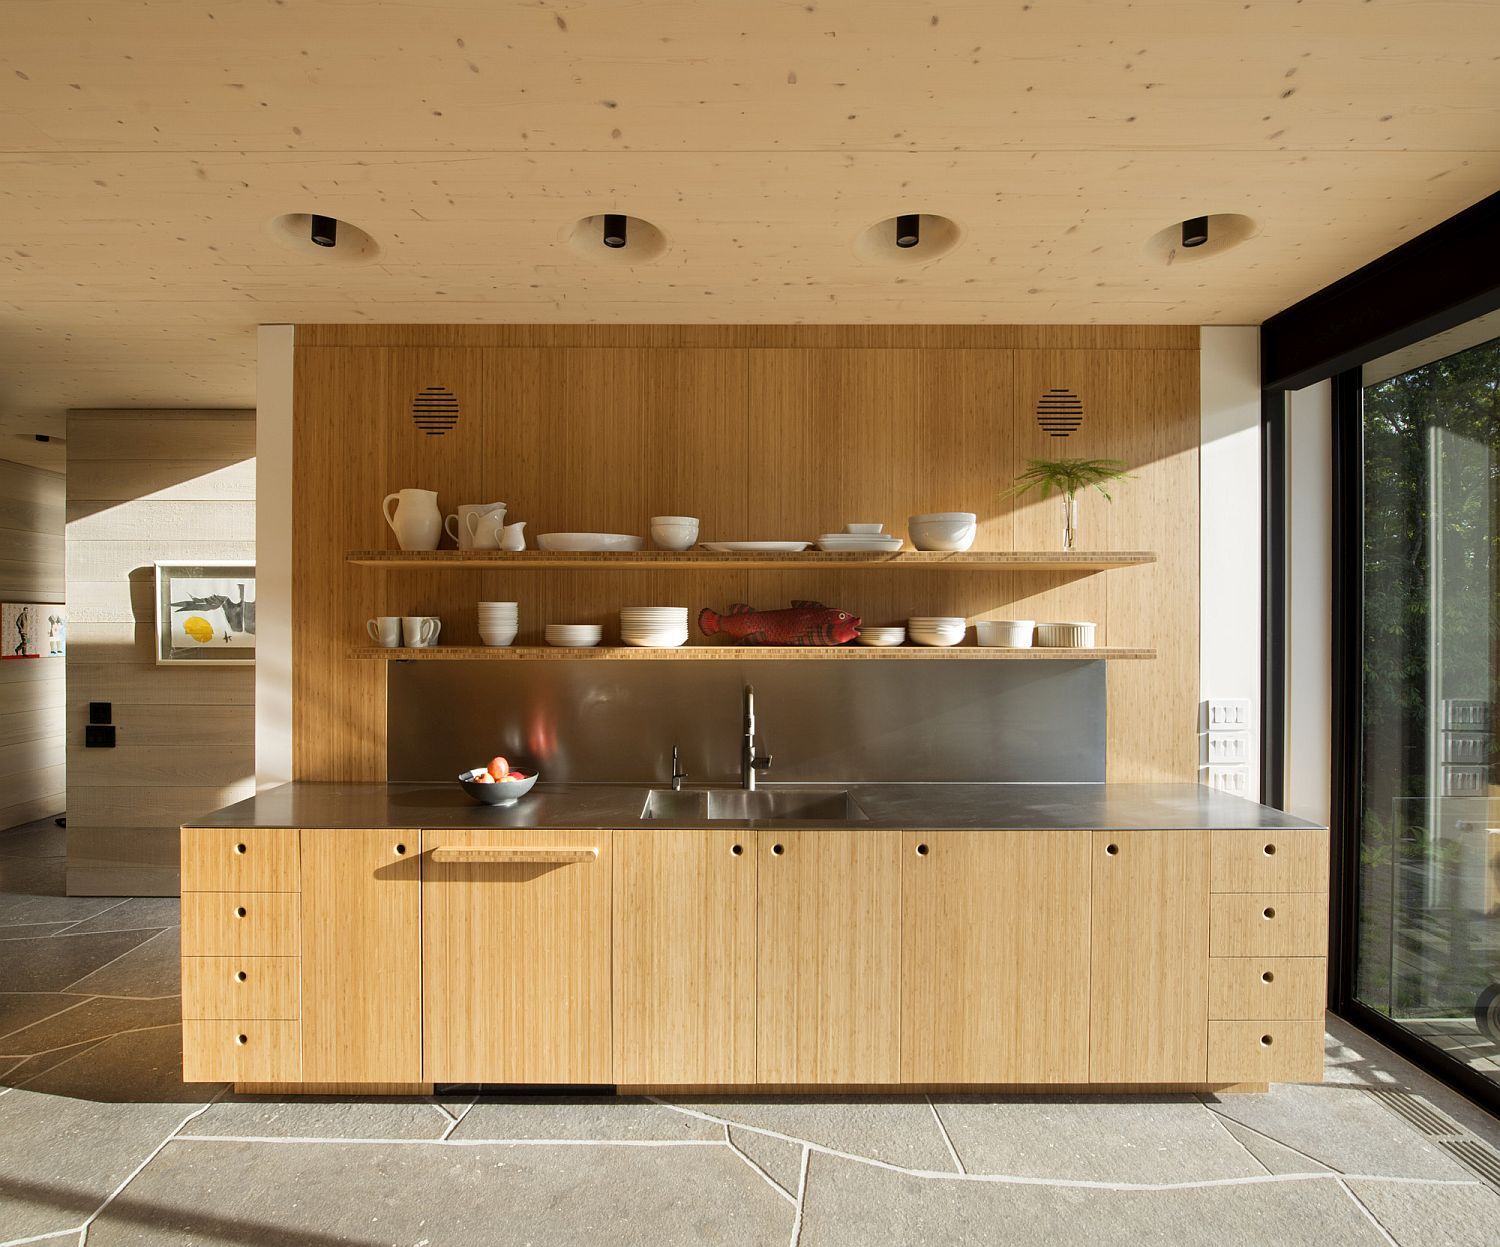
656, 640
497, 639
1074, 635
674, 532
943, 530
955, 621
1005, 633
937, 638
882, 637
587, 541
864, 530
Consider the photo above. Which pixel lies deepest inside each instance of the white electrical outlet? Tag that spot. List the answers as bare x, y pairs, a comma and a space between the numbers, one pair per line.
1227, 714
1235, 780
1228, 748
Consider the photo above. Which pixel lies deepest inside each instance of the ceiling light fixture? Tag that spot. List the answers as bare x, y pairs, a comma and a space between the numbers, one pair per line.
325, 231
614, 229
42, 437
1195, 231
908, 230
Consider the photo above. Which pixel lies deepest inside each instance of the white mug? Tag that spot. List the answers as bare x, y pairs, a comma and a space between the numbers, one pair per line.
485, 528
385, 630
457, 525
420, 630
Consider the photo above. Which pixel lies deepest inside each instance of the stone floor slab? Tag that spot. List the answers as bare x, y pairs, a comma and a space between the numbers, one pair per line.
326, 1117
848, 1204
98, 1018
58, 962
138, 913
61, 1157
19, 911
1104, 1138
781, 1161
18, 1009
444, 1196
44, 839
152, 968
1433, 1216
1273, 1157
899, 1130
34, 876
548, 1117
142, 1067
1341, 1127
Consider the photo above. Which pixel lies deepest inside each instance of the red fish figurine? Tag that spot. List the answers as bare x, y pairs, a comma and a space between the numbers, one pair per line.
806, 623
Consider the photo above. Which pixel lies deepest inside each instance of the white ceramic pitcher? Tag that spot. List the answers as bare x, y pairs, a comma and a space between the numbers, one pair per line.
513, 536
417, 522
459, 527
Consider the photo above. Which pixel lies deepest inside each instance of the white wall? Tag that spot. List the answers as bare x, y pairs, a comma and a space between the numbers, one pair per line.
1309, 588
1229, 549
273, 523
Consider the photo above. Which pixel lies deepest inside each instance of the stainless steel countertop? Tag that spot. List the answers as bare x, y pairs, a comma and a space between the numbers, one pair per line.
912, 807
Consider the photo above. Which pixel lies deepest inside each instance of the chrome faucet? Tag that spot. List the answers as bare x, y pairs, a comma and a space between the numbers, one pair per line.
678, 774
750, 761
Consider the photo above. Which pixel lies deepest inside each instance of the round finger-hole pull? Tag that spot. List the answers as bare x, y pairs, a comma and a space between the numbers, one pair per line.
1112, 849
778, 849
737, 849
1267, 977
239, 848
921, 850
239, 912
400, 850
242, 1039
240, 976
1268, 912
1269, 850
1265, 1041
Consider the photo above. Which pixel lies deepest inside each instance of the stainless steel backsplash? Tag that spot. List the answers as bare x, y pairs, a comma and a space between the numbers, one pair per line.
847, 721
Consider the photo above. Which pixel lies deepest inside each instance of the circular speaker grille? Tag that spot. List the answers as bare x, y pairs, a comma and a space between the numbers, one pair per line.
435, 410
1059, 412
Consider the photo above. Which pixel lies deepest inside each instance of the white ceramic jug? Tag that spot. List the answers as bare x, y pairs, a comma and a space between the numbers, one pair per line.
417, 522
458, 526
513, 536
484, 527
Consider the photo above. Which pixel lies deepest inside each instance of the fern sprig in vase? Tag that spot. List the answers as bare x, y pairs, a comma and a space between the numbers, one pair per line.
1067, 477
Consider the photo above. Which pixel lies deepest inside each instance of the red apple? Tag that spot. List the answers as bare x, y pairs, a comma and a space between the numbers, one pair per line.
482, 777
498, 767
517, 775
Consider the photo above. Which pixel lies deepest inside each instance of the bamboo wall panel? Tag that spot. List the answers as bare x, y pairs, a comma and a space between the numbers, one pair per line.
144, 486
31, 689
762, 432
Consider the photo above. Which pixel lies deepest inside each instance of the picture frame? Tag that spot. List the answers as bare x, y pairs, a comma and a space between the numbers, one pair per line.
33, 630
205, 613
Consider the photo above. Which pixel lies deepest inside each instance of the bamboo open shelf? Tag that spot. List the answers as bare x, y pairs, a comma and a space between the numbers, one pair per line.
658, 560
737, 653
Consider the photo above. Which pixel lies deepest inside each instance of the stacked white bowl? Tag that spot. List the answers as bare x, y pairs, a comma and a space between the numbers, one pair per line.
577, 636
654, 627
497, 622
937, 629
943, 530
674, 532
882, 637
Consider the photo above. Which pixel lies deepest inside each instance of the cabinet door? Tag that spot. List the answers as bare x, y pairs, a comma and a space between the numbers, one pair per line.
828, 957
515, 956
1148, 1018
684, 957
361, 956
995, 956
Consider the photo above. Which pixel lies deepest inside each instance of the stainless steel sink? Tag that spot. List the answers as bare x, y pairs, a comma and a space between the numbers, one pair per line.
785, 805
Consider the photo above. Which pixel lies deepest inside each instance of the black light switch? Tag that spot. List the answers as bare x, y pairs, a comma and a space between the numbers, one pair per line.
98, 736
101, 711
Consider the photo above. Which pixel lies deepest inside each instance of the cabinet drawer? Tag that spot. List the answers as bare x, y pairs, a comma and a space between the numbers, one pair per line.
1267, 987
1269, 861
264, 988
241, 1051
221, 859
1265, 1051
241, 924
1277, 924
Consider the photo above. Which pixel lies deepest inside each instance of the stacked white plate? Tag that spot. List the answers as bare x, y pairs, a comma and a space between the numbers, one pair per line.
654, 627
864, 543
937, 629
578, 636
881, 636
497, 622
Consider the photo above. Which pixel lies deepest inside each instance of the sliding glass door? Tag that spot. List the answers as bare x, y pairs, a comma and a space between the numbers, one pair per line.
1427, 931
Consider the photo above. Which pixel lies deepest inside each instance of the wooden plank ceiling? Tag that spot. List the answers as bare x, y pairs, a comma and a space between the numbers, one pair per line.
145, 147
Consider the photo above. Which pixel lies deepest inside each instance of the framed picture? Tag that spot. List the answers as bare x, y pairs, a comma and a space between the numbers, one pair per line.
33, 630
205, 613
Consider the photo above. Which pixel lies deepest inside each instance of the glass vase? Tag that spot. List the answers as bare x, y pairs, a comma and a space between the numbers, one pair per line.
1070, 521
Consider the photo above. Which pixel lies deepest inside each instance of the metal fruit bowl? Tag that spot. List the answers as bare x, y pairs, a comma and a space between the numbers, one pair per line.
496, 793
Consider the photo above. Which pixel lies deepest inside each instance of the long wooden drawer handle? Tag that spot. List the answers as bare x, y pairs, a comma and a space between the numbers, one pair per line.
513, 857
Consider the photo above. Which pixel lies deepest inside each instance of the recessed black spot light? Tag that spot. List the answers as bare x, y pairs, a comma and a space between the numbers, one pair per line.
325, 231
614, 229
908, 230
1195, 231
42, 437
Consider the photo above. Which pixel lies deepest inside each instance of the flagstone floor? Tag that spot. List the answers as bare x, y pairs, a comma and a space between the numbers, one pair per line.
101, 1142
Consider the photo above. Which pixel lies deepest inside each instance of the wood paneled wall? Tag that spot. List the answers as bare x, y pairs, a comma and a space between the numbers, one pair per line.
31, 690
144, 486
763, 432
